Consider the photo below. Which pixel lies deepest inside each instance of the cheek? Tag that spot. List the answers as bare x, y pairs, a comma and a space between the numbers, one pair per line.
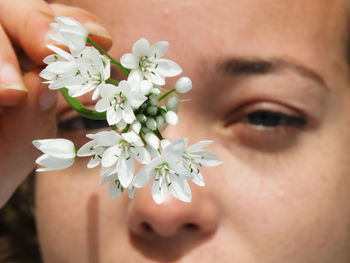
68, 212
291, 206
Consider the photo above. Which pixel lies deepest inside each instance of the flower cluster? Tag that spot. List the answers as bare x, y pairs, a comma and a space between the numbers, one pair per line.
136, 110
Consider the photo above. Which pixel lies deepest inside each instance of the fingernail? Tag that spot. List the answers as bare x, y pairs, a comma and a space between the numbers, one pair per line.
16, 87
97, 30
10, 78
47, 99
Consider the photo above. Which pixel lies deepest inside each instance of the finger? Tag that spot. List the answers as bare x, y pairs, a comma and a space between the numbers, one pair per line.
19, 126
27, 23
12, 89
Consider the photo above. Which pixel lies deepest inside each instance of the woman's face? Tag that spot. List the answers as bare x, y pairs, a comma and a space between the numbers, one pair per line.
271, 88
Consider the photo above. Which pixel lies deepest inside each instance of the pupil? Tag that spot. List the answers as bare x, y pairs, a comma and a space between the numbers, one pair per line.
267, 119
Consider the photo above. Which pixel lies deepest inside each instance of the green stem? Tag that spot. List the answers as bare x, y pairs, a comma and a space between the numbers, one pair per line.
113, 61
80, 108
143, 139
158, 134
166, 94
126, 128
112, 81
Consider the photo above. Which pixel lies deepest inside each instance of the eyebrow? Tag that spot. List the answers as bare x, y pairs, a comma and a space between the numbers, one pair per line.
240, 66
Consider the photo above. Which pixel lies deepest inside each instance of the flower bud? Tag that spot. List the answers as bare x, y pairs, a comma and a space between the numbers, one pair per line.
145, 87
141, 118
144, 106
152, 110
136, 127
160, 121
172, 104
155, 91
183, 85
151, 124
152, 140
171, 118
153, 100
146, 130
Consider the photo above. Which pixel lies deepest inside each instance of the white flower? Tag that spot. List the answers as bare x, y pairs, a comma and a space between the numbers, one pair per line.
140, 85
136, 127
115, 188
120, 157
167, 173
152, 140
173, 104
58, 154
171, 118
97, 146
146, 61
119, 102
79, 75
194, 157
70, 33
183, 85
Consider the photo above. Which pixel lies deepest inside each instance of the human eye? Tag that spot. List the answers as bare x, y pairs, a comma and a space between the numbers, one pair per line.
79, 123
269, 119
76, 127
266, 126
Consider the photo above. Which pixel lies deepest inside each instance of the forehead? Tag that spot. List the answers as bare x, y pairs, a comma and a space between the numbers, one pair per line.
203, 32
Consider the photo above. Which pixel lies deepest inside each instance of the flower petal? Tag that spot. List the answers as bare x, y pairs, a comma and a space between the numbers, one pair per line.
136, 99
141, 154
155, 78
175, 149
87, 149
102, 105
141, 48
129, 61
152, 140
128, 114
144, 175
159, 192
94, 161
198, 179
167, 67
206, 159
158, 49
108, 91
59, 148
60, 52
198, 146
114, 189
105, 138
180, 189
125, 172
132, 138
111, 156
51, 163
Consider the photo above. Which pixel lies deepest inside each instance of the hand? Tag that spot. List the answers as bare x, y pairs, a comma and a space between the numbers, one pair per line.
27, 108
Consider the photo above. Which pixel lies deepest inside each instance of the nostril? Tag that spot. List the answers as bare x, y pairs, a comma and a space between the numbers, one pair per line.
147, 228
191, 227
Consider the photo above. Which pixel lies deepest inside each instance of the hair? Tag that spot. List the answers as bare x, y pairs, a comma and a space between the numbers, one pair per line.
18, 235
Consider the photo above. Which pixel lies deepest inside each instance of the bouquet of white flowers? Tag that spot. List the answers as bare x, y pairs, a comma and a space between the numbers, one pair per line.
136, 109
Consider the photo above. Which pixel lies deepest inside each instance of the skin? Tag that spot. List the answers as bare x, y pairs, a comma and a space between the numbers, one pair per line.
282, 193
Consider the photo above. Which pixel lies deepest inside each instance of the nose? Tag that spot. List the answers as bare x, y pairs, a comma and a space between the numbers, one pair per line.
169, 230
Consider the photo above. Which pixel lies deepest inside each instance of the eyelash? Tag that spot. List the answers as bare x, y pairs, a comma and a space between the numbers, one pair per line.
270, 119
79, 123
265, 126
